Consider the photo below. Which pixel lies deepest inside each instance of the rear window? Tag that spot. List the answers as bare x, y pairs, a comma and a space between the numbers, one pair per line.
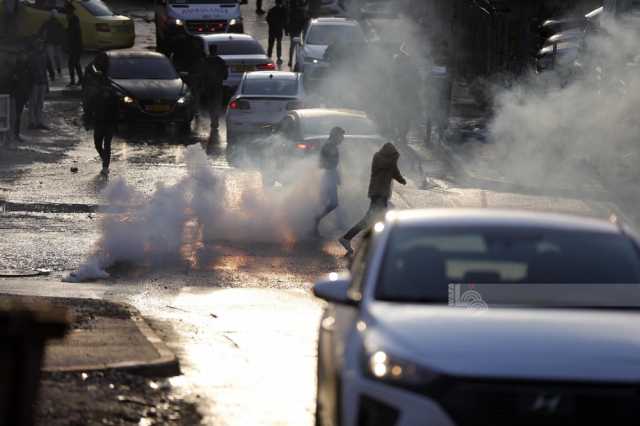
420, 264
97, 8
275, 86
320, 126
239, 47
324, 35
142, 69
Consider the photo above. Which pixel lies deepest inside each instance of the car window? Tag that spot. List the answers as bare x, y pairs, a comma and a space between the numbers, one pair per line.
96, 8
324, 35
322, 125
239, 47
272, 86
142, 69
420, 264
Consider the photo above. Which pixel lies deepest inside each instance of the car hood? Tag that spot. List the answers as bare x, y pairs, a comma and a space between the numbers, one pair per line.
314, 51
513, 344
206, 11
152, 89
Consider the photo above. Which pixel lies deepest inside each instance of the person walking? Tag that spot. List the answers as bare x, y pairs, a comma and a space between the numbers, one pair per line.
277, 20
384, 169
104, 108
295, 24
211, 76
38, 70
21, 87
329, 162
53, 33
74, 45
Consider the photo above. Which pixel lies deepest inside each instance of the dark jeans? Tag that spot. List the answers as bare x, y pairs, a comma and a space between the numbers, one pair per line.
74, 66
258, 4
20, 103
275, 38
376, 209
102, 135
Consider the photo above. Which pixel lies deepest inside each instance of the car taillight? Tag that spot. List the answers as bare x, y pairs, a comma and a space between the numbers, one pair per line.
239, 104
103, 28
266, 67
302, 146
294, 105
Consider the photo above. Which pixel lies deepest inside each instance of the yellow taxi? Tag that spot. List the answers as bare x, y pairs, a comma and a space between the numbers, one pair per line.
101, 28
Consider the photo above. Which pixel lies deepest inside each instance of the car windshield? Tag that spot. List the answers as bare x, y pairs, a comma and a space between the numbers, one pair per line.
272, 86
239, 47
322, 125
97, 8
142, 69
324, 35
420, 264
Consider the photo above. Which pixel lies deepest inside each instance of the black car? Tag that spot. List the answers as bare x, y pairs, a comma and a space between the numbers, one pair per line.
148, 85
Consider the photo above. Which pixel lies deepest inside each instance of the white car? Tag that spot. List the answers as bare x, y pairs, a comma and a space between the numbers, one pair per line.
391, 351
319, 34
261, 101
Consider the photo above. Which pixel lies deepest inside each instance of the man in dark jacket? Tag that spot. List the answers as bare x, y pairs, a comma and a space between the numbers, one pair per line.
211, 76
329, 161
38, 70
74, 44
277, 20
295, 24
384, 169
53, 33
104, 109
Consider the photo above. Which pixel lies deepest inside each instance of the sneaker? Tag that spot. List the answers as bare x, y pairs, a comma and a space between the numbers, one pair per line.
279, 61
347, 245
260, 11
104, 171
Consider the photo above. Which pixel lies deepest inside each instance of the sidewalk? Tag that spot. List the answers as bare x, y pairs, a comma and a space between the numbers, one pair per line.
104, 336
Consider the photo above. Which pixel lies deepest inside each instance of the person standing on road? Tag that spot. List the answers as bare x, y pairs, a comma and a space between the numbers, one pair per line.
53, 33
211, 76
21, 87
329, 162
407, 101
104, 109
38, 69
277, 20
384, 169
295, 25
74, 44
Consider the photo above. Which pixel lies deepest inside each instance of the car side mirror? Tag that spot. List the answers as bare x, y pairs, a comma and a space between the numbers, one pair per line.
183, 75
334, 288
297, 40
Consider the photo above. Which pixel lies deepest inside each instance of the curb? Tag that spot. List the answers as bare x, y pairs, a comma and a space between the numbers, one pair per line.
165, 365
64, 94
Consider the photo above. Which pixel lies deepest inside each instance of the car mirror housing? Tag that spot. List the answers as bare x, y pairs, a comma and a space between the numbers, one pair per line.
334, 288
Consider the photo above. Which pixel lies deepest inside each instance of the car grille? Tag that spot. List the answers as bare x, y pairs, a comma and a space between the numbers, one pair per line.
471, 403
206, 27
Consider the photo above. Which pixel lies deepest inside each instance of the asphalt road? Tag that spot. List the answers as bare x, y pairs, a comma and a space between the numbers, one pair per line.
235, 307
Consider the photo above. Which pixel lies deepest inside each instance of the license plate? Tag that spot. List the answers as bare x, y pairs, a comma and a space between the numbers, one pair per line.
243, 68
157, 108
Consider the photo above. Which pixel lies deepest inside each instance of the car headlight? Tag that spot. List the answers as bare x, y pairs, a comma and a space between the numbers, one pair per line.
127, 99
234, 22
309, 60
182, 100
178, 22
381, 365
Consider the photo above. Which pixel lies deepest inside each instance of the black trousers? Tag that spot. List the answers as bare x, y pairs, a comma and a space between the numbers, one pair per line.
277, 39
102, 135
74, 65
376, 209
258, 4
20, 103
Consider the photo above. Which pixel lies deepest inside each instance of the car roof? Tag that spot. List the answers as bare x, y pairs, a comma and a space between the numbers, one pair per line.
222, 37
134, 53
329, 112
266, 75
497, 218
333, 21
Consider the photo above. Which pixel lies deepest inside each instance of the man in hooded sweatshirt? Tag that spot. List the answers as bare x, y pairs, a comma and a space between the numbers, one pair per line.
384, 169
329, 162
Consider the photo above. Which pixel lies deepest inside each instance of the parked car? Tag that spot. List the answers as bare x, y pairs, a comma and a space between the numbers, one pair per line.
149, 87
318, 35
176, 20
241, 52
391, 351
101, 28
261, 101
